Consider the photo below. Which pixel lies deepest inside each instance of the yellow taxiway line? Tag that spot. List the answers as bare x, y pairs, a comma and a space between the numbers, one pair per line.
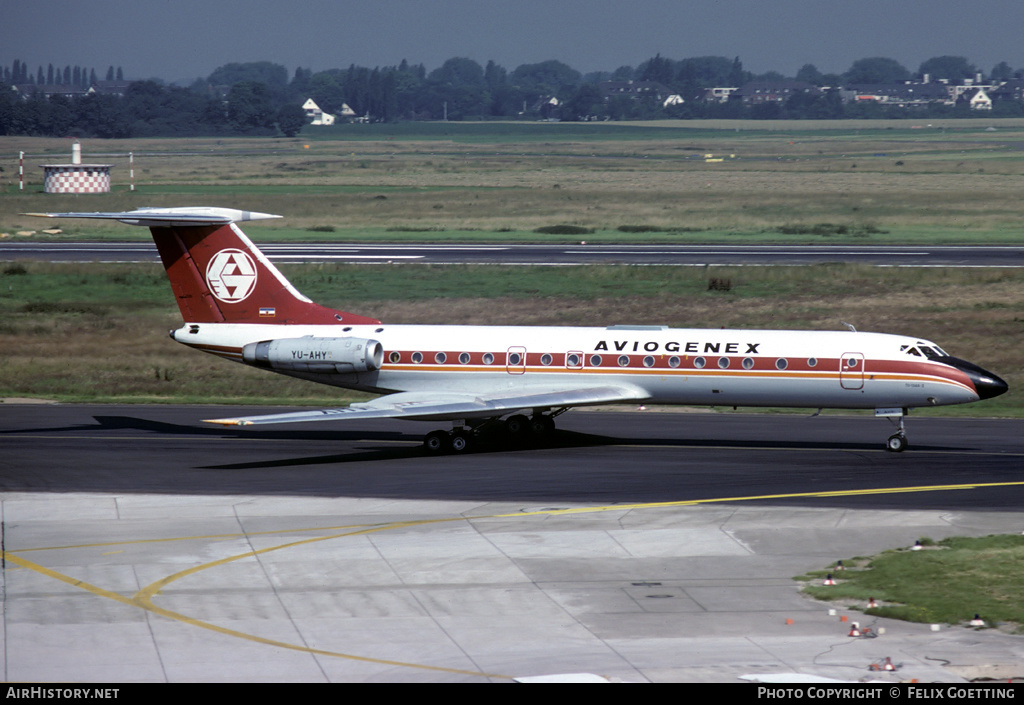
144, 598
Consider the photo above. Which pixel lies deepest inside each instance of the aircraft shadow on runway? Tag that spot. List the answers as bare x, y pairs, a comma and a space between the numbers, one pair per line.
598, 463
560, 439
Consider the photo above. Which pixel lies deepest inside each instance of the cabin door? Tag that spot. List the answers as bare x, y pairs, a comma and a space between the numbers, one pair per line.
515, 361
851, 370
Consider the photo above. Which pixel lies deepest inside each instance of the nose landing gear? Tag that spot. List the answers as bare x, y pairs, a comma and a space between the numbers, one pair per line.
897, 442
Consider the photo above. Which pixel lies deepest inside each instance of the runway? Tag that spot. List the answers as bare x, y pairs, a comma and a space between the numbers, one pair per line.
556, 255
599, 457
647, 547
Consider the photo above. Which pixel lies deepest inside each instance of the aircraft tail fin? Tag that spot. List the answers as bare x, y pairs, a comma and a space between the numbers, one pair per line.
218, 275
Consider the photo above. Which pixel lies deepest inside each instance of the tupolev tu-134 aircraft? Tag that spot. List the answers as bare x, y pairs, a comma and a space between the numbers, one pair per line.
517, 379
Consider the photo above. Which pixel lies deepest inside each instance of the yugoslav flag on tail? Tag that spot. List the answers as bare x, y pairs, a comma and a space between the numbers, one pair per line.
217, 274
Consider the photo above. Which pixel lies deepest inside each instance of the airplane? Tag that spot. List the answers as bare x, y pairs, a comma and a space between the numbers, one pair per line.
517, 379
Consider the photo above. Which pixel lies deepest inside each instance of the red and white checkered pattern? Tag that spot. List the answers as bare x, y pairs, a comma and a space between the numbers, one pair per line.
77, 178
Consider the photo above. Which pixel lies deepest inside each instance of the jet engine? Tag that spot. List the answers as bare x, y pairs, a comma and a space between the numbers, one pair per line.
312, 354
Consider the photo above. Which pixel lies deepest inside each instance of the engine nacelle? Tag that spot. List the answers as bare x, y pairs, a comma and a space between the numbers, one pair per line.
311, 354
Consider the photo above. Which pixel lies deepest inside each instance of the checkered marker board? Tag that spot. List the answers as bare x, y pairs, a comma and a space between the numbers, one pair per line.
77, 179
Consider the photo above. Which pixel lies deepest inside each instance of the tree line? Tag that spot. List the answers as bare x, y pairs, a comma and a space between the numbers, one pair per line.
18, 72
261, 98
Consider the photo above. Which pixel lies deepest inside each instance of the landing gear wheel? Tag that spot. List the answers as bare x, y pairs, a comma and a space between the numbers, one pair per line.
460, 441
437, 442
897, 443
542, 427
517, 425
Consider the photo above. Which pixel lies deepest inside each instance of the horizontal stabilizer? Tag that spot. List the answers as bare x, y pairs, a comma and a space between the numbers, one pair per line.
169, 217
422, 406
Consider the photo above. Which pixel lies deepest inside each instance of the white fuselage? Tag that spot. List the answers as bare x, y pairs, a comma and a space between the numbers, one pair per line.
735, 367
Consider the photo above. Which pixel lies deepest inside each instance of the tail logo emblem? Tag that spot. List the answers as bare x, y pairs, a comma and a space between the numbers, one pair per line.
231, 275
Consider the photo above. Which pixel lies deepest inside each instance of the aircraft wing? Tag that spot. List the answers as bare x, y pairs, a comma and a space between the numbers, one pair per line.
425, 406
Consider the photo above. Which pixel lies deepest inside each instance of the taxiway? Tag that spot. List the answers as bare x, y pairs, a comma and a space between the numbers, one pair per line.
142, 545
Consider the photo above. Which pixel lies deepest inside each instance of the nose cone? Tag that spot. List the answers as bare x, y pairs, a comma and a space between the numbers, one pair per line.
987, 384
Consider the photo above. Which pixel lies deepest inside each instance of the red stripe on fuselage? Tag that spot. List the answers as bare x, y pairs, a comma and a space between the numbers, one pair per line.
661, 364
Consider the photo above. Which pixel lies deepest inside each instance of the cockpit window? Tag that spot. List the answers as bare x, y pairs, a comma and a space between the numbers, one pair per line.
931, 351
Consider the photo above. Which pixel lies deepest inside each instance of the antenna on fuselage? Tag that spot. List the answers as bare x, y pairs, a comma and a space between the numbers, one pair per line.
849, 326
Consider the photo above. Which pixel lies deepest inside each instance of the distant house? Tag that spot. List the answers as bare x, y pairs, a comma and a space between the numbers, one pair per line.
975, 99
1011, 90
635, 90
315, 115
720, 94
319, 117
759, 92
117, 88
27, 90
901, 95
46, 90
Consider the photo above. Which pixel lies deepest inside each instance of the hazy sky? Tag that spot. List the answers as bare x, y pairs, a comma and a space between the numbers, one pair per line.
180, 40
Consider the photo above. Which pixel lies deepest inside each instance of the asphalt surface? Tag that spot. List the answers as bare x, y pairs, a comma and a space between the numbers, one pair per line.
597, 457
555, 255
141, 545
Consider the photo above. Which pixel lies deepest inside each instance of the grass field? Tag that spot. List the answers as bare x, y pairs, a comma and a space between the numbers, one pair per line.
884, 180
98, 332
946, 582
872, 182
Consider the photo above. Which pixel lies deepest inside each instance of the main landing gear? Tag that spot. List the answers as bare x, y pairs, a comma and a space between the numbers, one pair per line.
517, 431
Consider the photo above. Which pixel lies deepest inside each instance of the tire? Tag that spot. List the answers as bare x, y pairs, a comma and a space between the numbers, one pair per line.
897, 443
460, 442
517, 425
437, 442
542, 426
